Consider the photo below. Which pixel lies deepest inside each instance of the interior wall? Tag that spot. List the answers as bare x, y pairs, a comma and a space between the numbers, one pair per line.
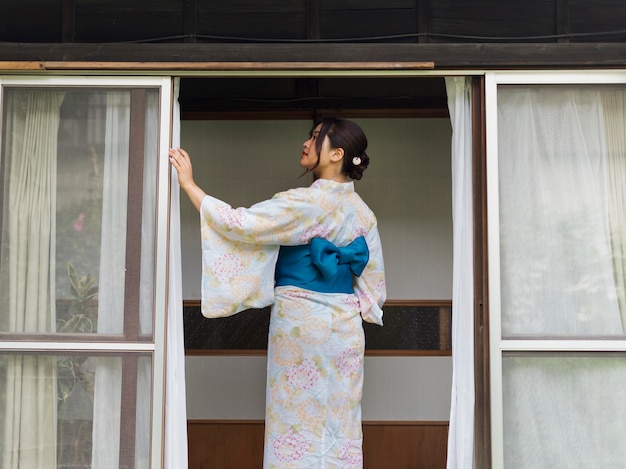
396, 389
407, 185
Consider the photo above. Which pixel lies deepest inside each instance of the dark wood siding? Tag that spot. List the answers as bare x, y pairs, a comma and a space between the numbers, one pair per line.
251, 19
123, 20
254, 21
30, 20
493, 20
594, 16
357, 19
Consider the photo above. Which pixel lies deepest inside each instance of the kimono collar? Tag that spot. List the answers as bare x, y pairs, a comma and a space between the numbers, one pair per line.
333, 186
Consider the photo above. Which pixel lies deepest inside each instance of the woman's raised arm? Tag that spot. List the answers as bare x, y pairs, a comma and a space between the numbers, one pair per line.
182, 163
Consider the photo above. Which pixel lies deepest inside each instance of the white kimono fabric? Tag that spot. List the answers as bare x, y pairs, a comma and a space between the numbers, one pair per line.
316, 340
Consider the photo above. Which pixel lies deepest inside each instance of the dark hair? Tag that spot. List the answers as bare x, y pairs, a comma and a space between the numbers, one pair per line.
345, 134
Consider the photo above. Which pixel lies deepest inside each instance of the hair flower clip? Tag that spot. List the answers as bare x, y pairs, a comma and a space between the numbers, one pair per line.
356, 161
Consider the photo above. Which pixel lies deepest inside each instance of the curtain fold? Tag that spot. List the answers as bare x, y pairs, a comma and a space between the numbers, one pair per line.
29, 417
557, 272
461, 430
614, 107
146, 287
108, 372
176, 456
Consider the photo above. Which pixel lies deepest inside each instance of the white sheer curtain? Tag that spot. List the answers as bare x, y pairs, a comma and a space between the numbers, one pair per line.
28, 242
614, 104
146, 287
561, 232
107, 389
461, 431
176, 399
108, 375
557, 266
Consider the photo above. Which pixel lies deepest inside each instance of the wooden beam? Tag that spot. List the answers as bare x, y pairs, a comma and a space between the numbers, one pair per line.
484, 56
18, 65
236, 66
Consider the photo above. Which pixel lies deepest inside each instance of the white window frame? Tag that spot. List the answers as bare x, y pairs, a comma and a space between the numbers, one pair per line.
497, 345
157, 347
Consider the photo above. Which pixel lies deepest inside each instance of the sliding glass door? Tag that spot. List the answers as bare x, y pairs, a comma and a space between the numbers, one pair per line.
557, 262
84, 190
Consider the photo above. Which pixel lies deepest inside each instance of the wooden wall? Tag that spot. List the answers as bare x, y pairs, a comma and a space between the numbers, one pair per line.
390, 21
235, 444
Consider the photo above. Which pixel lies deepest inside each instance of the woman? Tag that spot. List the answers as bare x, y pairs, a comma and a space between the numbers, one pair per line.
315, 254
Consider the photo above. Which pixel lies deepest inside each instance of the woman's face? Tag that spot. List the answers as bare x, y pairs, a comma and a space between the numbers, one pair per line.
309, 159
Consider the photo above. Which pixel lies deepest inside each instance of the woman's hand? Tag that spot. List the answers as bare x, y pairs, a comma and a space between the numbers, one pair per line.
180, 160
182, 163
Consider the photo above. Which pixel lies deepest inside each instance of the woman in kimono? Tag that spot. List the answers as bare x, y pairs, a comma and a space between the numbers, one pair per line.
314, 253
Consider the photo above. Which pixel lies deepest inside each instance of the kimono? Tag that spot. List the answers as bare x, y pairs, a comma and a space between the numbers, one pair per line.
316, 341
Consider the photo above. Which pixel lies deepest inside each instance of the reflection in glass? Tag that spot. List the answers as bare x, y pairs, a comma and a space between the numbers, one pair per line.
65, 170
564, 411
65, 411
562, 183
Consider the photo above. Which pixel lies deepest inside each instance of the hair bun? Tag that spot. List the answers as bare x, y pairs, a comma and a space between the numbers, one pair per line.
359, 164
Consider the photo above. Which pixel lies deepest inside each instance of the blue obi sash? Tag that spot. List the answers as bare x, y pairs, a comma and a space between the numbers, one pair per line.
321, 266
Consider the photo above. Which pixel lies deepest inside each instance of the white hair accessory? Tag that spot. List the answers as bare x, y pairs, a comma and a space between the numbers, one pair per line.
356, 161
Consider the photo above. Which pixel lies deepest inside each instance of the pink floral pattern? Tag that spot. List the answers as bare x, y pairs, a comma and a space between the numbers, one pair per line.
317, 231
360, 231
349, 362
352, 302
232, 218
227, 266
303, 376
290, 447
350, 455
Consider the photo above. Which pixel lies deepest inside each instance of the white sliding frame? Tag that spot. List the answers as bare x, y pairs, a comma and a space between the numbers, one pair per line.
148, 341
534, 345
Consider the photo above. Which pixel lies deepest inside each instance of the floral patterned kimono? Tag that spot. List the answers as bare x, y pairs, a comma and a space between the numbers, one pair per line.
316, 339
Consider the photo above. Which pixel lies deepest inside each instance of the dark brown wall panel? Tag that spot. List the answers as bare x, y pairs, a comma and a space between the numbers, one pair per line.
589, 19
473, 21
394, 445
407, 445
254, 19
368, 19
124, 20
225, 444
30, 20
262, 21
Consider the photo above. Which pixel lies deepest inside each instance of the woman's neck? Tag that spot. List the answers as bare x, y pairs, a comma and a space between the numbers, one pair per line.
330, 175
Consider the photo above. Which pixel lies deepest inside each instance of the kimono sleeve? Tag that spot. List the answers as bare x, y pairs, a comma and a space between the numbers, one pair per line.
235, 275
285, 219
370, 287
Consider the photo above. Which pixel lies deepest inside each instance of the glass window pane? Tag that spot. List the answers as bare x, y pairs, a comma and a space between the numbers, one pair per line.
67, 159
564, 411
562, 182
68, 409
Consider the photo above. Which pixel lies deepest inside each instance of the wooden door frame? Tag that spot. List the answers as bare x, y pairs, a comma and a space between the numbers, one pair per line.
482, 413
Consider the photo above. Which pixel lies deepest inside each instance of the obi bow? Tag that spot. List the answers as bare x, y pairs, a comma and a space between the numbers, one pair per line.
327, 257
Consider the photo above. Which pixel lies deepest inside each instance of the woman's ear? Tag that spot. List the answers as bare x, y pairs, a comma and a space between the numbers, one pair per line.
337, 154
